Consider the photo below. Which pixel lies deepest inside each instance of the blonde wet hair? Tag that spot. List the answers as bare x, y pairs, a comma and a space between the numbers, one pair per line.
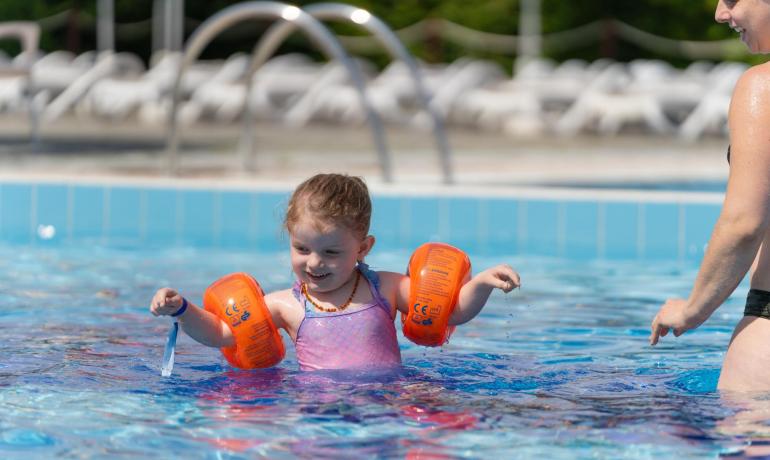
336, 199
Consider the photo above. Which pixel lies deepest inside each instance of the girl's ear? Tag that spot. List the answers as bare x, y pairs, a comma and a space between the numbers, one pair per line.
366, 245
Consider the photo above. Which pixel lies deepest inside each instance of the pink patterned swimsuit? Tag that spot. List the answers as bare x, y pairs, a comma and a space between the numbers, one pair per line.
365, 337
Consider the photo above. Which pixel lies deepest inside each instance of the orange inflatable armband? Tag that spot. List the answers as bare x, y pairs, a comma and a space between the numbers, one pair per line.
238, 300
436, 273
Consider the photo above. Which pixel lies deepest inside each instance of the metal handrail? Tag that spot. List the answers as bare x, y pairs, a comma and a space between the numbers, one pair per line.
210, 28
279, 32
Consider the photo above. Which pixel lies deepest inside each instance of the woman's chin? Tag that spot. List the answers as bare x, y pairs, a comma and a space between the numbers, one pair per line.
756, 48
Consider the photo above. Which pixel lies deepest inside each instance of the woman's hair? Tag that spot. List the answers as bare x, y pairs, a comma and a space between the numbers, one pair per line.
332, 198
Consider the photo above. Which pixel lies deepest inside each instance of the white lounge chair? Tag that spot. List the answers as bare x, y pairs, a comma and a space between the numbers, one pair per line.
609, 104
710, 115
223, 97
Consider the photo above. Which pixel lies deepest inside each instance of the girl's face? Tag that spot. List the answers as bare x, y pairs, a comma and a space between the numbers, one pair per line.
750, 18
325, 259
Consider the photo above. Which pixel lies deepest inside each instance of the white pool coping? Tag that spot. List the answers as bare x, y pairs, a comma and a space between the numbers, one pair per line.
248, 183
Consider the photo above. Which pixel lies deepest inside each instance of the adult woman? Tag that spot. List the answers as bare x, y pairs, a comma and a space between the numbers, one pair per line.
742, 232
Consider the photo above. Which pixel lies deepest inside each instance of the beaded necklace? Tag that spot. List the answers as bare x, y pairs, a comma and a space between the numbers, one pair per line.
341, 307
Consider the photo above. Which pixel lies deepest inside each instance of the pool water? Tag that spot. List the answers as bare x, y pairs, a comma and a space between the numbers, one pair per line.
558, 369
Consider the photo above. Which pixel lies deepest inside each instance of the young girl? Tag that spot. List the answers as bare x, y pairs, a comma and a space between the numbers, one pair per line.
340, 313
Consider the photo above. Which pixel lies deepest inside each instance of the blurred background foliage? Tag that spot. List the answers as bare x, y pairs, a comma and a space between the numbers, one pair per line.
71, 25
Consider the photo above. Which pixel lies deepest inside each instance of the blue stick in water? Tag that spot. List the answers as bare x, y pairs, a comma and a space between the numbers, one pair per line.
168, 354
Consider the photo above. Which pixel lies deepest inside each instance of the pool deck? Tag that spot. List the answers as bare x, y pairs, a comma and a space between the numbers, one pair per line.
86, 150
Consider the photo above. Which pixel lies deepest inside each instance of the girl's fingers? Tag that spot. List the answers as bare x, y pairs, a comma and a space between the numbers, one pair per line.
511, 274
507, 285
510, 279
165, 302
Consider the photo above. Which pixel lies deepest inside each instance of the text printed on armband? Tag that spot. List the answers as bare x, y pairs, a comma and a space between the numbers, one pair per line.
259, 341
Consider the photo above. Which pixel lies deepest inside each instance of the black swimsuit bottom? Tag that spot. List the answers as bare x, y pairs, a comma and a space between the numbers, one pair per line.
758, 304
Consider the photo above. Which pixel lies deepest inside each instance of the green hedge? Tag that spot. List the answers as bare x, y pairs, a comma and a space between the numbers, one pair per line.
675, 19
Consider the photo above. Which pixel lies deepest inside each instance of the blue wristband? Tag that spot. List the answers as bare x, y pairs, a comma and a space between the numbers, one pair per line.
181, 310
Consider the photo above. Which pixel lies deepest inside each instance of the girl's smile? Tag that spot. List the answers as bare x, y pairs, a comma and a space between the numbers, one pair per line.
324, 255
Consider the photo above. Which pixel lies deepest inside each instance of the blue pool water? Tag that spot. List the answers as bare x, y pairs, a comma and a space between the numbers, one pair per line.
558, 369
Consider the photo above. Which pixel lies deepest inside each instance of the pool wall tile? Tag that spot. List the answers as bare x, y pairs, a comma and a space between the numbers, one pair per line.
581, 229
544, 228
236, 220
161, 219
52, 211
87, 212
423, 221
124, 217
386, 221
127, 215
662, 239
16, 212
621, 231
502, 226
463, 222
271, 207
699, 220
197, 217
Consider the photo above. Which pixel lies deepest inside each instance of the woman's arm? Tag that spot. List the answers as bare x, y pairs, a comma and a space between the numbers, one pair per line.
474, 293
745, 213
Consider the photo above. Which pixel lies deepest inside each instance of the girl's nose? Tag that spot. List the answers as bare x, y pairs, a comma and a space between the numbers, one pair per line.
722, 13
314, 260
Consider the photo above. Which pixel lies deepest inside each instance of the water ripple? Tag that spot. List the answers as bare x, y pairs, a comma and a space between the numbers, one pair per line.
560, 369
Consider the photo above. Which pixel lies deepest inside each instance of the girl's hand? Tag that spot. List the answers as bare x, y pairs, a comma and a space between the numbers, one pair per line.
165, 302
502, 277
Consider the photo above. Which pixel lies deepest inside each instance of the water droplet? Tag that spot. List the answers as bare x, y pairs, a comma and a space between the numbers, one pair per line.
46, 232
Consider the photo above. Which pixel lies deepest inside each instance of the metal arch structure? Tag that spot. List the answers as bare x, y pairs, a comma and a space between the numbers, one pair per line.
217, 23
278, 33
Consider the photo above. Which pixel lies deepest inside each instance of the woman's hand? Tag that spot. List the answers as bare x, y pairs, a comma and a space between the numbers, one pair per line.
165, 302
672, 316
502, 277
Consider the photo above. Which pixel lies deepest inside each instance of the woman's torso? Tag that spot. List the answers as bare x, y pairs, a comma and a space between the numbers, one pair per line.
746, 363
760, 276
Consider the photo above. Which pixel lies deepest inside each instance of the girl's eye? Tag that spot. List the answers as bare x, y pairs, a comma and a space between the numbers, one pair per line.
332, 252
301, 249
